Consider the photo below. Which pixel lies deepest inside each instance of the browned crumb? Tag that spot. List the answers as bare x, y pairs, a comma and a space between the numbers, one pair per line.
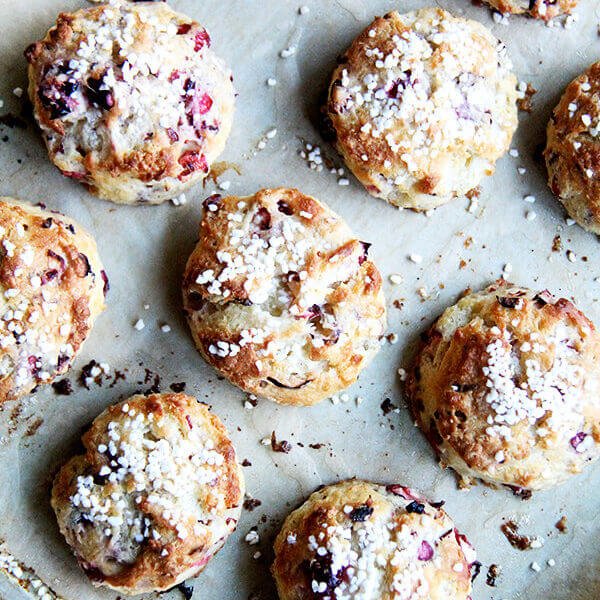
561, 525
556, 244
474, 193
511, 531
279, 446
526, 103
398, 304
492, 575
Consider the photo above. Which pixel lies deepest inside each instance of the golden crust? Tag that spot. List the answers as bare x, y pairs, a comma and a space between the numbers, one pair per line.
281, 298
505, 388
417, 547
541, 9
51, 290
573, 149
398, 127
140, 129
184, 527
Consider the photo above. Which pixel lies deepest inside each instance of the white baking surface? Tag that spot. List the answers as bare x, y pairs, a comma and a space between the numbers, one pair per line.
144, 250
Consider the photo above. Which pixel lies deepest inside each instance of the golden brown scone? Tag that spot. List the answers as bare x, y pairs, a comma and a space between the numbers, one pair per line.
573, 149
52, 288
422, 106
281, 297
363, 541
154, 497
539, 9
505, 387
131, 100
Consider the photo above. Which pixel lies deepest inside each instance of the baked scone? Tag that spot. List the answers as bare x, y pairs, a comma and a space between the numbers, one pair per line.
52, 288
422, 106
154, 497
573, 149
539, 9
281, 297
363, 541
505, 387
131, 100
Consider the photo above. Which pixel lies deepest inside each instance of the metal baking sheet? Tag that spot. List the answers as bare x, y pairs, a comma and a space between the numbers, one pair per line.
144, 250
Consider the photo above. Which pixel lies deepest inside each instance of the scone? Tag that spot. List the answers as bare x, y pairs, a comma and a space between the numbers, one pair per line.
154, 497
505, 387
131, 100
363, 541
573, 149
539, 9
281, 297
52, 288
422, 106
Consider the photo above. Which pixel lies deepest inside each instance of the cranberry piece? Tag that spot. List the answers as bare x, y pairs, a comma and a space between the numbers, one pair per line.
55, 94
98, 95
415, 507
184, 28
73, 174
399, 85
192, 161
106, 286
202, 39
288, 387
262, 219
361, 513
86, 265
48, 276
173, 136
577, 439
365, 253
189, 421
425, 551
284, 207
215, 200
46, 225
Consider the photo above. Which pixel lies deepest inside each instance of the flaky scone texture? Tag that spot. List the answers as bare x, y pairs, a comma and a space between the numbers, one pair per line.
363, 541
131, 100
422, 105
539, 9
281, 297
154, 497
573, 149
505, 387
52, 287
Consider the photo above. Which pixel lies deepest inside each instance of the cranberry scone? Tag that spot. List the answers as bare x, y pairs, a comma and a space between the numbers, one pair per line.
359, 540
573, 149
505, 387
155, 496
281, 297
52, 287
131, 100
539, 9
421, 106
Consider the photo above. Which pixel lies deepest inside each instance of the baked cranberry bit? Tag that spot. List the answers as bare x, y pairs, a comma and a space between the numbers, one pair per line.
415, 507
202, 39
262, 219
425, 551
192, 161
106, 286
365, 253
577, 439
56, 89
399, 85
284, 207
184, 28
173, 136
319, 570
361, 513
98, 93
214, 200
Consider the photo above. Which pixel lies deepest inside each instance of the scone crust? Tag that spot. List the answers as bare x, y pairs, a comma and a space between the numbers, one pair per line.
281, 297
404, 547
573, 149
422, 106
52, 287
539, 9
505, 387
131, 100
181, 481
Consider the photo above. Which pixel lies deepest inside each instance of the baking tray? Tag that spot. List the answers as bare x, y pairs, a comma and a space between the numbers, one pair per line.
144, 250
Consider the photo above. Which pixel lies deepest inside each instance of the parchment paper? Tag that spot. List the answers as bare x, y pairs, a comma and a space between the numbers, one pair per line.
144, 250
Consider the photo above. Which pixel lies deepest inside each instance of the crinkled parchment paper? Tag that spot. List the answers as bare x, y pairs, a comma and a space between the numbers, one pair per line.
144, 250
